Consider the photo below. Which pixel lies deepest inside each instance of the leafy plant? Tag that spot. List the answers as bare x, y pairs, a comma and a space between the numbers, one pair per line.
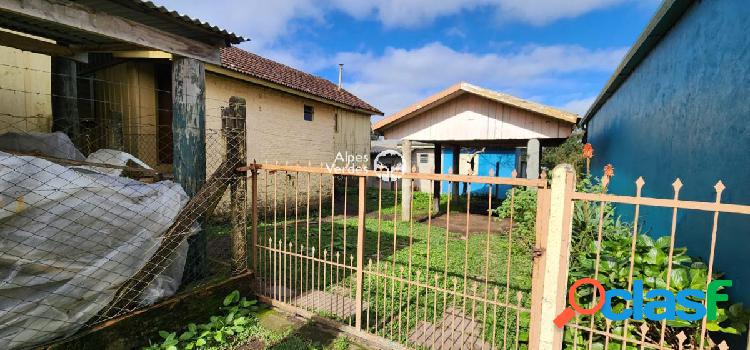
650, 264
585, 219
569, 152
237, 322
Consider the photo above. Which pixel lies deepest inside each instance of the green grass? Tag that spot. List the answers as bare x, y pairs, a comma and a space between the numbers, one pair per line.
387, 298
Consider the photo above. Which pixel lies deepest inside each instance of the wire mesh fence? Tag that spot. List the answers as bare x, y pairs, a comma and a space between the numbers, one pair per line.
93, 225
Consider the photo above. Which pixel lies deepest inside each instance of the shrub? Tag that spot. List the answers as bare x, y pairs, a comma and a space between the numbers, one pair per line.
569, 152
651, 264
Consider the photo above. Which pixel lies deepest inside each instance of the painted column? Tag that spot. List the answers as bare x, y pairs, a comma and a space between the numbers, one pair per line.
438, 155
406, 183
456, 167
533, 156
189, 146
65, 97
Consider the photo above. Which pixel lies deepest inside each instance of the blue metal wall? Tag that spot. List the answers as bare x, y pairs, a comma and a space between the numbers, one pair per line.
684, 113
498, 161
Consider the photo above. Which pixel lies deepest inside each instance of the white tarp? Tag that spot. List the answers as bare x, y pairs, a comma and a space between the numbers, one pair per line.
68, 239
55, 144
112, 157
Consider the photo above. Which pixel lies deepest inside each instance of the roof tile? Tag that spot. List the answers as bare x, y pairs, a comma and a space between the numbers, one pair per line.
241, 61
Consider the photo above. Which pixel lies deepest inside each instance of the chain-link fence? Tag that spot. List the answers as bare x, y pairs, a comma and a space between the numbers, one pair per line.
92, 223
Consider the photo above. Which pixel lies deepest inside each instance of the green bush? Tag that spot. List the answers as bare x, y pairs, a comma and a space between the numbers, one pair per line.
585, 218
651, 264
569, 152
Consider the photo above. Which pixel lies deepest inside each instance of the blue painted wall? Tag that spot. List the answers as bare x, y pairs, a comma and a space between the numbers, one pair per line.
499, 161
684, 113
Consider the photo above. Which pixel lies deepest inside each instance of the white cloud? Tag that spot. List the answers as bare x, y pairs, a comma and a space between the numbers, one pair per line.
540, 12
400, 77
578, 106
266, 21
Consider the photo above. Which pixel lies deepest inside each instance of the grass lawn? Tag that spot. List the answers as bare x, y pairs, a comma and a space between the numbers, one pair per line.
397, 306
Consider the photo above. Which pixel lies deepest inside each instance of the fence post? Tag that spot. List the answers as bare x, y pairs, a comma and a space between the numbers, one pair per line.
236, 152
360, 254
254, 240
550, 281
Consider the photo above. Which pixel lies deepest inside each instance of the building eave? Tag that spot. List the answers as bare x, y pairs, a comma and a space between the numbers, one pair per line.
665, 18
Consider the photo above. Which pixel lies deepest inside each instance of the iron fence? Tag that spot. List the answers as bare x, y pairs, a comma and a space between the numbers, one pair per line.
345, 255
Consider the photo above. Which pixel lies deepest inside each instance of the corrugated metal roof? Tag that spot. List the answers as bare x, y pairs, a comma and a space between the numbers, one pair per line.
135, 10
665, 18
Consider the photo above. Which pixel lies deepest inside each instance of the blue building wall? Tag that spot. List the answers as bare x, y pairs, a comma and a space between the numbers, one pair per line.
498, 161
684, 112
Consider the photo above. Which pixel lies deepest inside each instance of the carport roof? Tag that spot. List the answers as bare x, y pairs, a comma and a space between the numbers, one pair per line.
463, 88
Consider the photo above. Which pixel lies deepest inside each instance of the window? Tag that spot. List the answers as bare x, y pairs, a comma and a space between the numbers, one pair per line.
309, 111
423, 158
336, 122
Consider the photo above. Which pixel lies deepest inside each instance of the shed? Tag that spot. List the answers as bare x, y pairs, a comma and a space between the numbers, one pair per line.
487, 132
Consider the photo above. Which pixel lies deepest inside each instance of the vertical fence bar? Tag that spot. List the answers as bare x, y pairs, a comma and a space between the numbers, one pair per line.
557, 250
360, 253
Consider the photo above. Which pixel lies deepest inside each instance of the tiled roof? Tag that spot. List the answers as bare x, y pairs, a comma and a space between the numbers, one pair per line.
241, 61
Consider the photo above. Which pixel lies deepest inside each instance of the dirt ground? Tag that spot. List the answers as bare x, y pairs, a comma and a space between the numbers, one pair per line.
477, 223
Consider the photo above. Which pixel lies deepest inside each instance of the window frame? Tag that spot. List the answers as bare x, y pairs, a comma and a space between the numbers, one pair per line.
305, 113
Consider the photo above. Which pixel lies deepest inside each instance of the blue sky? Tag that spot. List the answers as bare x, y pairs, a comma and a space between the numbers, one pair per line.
557, 52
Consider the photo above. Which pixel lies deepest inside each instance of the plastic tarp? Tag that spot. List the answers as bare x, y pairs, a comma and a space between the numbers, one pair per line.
68, 239
113, 157
54, 144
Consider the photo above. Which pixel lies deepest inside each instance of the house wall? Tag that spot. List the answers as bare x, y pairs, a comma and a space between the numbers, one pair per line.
428, 167
684, 113
497, 161
471, 117
277, 131
25, 89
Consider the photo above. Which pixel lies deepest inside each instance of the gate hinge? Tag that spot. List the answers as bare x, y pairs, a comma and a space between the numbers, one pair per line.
537, 252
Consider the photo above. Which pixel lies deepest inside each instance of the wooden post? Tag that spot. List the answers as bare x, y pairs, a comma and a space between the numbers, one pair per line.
539, 261
234, 132
189, 146
406, 187
554, 278
456, 170
65, 97
254, 240
360, 254
438, 169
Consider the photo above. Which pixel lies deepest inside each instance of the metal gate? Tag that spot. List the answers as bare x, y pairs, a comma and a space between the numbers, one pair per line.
330, 244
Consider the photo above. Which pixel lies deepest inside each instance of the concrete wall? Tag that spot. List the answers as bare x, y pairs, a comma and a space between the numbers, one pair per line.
25, 103
471, 117
277, 130
684, 113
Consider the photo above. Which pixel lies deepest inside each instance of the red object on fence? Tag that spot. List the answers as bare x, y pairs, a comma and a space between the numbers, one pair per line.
609, 170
